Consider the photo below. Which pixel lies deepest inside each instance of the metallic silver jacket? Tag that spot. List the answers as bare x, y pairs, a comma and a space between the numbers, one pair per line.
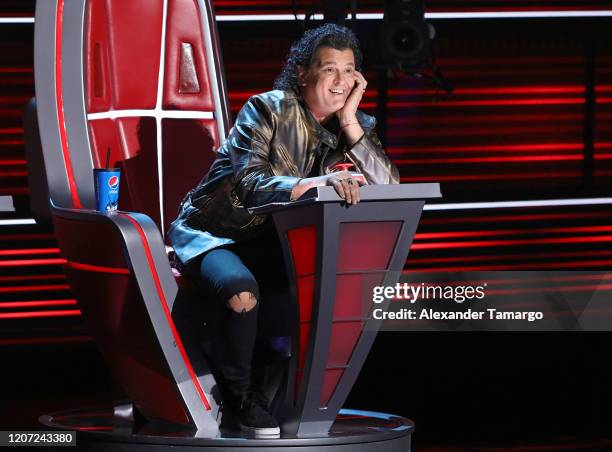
272, 145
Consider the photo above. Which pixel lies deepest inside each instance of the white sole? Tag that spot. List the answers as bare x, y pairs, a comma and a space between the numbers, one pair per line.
252, 431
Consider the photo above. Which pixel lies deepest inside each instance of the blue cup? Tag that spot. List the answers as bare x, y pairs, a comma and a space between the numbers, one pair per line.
106, 182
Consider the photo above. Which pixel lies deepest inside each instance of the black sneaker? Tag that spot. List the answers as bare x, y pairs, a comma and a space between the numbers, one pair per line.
255, 420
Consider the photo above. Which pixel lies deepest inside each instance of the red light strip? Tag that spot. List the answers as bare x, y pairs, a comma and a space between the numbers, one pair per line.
38, 314
476, 177
582, 288
31, 262
11, 162
519, 204
514, 218
60, 105
27, 252
528, 282
49, 287
32, 304
536, 128
496, 90
97, 268
528, 158
497, 102
495, 243
12, 142
31, 277
574, 265
164, 304
415, 261
13, 173
494, 148
481, 119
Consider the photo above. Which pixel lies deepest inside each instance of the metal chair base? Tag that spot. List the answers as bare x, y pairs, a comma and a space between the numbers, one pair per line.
99, 430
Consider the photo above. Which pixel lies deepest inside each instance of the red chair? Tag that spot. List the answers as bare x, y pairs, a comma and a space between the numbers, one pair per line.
138, 84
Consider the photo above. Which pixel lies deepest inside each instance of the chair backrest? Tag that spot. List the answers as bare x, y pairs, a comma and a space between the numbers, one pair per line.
141, 79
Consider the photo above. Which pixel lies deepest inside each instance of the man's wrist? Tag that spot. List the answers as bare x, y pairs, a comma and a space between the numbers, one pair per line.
345, 122
346, 116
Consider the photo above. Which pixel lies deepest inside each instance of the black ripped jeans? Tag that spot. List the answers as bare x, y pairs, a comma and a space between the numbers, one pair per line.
257, 267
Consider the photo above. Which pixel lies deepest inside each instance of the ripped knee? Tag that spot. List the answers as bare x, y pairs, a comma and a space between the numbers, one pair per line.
242, 302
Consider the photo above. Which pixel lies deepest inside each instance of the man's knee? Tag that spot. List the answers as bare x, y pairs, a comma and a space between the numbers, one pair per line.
242, 302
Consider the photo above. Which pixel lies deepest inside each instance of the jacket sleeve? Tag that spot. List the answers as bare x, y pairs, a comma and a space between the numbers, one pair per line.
372, 161
249, 150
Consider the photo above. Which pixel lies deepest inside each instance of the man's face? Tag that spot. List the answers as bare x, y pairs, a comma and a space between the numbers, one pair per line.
328, 82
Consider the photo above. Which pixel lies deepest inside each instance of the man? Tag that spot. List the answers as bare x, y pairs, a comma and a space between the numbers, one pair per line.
283, 143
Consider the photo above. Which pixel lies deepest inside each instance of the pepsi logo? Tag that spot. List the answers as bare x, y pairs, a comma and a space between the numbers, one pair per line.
113, 182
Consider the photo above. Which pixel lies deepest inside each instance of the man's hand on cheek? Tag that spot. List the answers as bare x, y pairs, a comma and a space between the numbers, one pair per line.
347, 114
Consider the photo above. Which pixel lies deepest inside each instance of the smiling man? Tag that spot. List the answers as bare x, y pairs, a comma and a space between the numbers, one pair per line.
283, 143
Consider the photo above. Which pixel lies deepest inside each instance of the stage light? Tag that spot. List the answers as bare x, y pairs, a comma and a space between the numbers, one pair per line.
405, 37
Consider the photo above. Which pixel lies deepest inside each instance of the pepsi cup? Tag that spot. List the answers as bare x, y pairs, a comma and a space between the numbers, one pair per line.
106, 182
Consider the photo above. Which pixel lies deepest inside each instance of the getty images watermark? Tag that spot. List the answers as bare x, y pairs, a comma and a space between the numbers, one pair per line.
488, 301
407, 293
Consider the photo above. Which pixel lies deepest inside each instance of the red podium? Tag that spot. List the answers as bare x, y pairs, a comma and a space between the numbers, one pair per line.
329, 247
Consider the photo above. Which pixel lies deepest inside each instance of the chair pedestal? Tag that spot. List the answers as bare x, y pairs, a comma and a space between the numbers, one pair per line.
359, 431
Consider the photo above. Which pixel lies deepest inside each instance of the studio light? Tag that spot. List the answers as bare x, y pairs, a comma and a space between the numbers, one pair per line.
405, 37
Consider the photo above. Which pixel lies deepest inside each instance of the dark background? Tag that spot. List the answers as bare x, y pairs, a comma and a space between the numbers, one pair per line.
530, 118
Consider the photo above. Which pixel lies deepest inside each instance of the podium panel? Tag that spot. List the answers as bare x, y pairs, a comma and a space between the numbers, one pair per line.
330, 249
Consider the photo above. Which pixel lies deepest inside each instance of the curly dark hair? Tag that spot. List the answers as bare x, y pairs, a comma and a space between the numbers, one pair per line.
303, 50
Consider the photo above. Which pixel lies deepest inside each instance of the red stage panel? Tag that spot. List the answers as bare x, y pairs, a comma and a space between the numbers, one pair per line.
186, 84
330, 381
97, 58
347, 304
344, 339
302, 242
134, 34
366, 246
187, 153
305, 287
303, 249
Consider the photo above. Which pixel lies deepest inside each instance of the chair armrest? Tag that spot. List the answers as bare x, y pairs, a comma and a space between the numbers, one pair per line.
142, 243
123, 282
